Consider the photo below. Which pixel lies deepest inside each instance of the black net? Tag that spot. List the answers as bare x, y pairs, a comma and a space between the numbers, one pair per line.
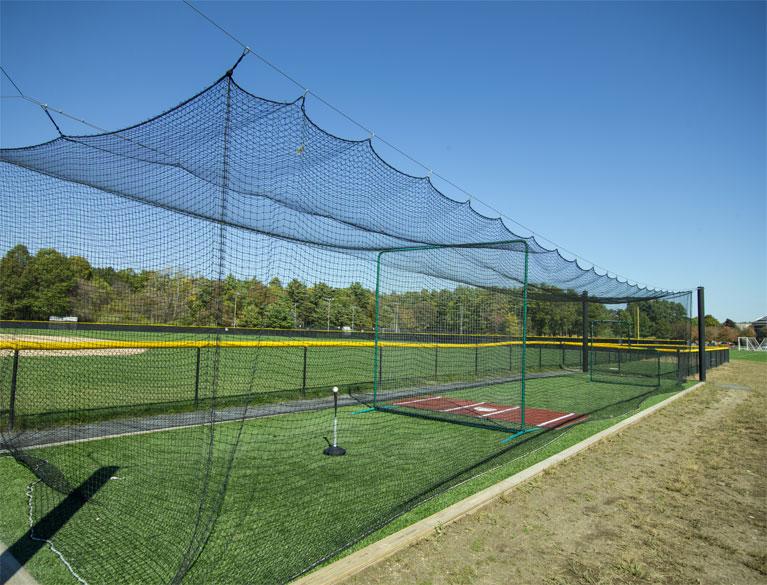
179, 298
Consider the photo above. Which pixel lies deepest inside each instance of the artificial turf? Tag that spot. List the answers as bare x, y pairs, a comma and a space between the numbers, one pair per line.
286, 505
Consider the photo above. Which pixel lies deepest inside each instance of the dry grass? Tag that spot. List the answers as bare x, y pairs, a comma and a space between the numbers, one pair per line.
679, 498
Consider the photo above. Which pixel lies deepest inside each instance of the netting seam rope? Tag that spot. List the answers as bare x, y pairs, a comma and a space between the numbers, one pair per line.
57, 552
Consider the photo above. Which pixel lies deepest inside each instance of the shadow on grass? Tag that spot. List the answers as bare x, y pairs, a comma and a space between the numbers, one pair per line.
20, 552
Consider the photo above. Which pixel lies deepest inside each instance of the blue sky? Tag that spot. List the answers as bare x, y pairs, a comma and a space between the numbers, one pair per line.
630, 133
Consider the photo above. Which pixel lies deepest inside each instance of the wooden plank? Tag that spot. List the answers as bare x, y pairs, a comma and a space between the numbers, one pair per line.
378, 551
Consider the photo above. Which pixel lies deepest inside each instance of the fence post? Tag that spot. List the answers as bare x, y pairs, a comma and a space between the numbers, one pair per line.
14, 375
436, 362
701, 336
303, 381
197, 378
476, 360
380, 365
657, 357
540, 357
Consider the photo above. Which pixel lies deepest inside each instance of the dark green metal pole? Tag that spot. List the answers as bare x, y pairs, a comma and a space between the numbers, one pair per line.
303, 382
380, 365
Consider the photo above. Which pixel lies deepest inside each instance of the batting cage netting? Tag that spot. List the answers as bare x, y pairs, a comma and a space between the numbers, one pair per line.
179, 297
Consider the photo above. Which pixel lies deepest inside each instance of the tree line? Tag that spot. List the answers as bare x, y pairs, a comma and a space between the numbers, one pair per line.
36, 286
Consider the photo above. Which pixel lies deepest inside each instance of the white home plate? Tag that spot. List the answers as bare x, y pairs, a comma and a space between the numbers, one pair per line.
485, 409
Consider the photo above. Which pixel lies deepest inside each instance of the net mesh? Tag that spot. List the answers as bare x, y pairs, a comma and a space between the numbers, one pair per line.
224, 265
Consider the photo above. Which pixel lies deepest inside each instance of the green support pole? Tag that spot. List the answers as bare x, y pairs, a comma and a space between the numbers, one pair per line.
303, 382
436, 362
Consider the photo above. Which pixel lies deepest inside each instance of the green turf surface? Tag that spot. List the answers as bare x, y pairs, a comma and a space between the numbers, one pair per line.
285, 501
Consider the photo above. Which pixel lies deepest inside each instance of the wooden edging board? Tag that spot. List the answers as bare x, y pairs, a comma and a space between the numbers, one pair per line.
374, 553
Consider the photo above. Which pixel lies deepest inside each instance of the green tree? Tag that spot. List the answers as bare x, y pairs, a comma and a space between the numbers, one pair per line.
15, 284
51, 284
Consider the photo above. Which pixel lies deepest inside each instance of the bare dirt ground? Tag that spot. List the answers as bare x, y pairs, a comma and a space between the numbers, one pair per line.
680, 498
64, 352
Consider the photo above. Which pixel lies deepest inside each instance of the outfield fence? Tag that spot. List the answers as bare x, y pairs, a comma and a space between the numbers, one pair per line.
116, 378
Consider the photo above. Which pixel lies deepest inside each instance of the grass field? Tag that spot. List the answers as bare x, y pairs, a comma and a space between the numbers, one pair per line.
751, 356
71, 388
278, 478
51, 389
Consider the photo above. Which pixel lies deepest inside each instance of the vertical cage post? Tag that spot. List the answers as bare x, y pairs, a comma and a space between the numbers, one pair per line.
303, 381
14, 378
657, 357
380, 365
197, 376
585, 332
376, 359
701, 336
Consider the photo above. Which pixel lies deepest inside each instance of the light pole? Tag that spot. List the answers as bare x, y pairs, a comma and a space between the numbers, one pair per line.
460, 312
329, 300
295, 315
234, 320
354, 308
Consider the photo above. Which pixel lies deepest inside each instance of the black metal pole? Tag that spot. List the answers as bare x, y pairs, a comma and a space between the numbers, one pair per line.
14, 375
585, 327
476, 361
701, 336
436, 361
303, 383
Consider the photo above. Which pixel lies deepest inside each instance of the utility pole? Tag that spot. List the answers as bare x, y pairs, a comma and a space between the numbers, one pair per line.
234, 320
329, 301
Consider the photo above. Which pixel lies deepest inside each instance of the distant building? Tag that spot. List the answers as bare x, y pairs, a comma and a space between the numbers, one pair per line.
760, 327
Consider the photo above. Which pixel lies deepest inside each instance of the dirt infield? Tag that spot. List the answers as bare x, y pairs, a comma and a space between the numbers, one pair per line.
64, 352
679, 498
